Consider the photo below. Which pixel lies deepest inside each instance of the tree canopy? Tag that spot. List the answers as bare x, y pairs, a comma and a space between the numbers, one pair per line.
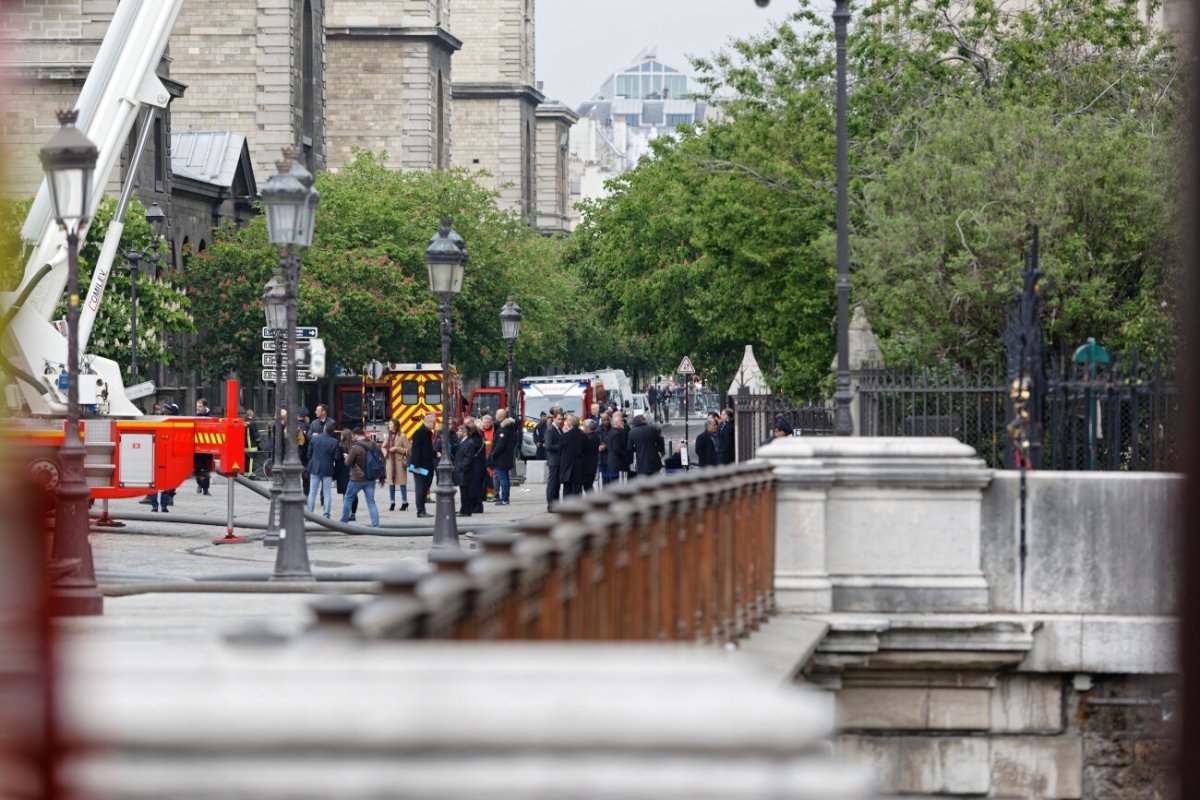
968, 121
364, 284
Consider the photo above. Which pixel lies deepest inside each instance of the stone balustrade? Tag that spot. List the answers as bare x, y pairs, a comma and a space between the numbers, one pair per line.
682, 557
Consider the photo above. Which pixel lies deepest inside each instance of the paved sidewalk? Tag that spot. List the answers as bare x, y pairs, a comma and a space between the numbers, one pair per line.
161, 548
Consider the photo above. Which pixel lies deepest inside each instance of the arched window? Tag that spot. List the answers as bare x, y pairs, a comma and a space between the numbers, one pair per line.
185, 252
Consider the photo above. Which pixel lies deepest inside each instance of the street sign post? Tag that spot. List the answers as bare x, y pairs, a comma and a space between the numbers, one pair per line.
685, 368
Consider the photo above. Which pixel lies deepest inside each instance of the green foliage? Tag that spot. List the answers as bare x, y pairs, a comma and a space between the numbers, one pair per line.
162, 306
12, 263
967, 122
364, 281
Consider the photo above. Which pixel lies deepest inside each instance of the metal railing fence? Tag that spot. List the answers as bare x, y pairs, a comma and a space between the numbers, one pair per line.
755, 416
1121, 416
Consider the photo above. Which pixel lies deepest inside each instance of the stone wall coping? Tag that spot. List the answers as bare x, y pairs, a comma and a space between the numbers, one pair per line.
934, 462
546, 697
499, 90
851, 447
437, 34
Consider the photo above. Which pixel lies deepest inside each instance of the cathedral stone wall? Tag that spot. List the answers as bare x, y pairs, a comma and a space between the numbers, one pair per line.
244, 62
389, 94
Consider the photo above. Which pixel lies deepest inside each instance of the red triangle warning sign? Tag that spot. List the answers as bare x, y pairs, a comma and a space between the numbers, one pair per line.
685, 367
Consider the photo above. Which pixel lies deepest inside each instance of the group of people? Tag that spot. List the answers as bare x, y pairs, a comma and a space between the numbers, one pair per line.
482, 451
576, 451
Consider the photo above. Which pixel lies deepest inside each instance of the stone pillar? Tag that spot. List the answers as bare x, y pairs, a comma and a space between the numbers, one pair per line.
801, 582
898, 528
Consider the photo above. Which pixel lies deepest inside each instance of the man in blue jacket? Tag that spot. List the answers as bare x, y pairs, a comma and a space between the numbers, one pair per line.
323, 449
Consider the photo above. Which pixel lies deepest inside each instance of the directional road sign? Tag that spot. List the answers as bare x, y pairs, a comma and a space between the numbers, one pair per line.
302, 332
268, 345
268, 375
685, 367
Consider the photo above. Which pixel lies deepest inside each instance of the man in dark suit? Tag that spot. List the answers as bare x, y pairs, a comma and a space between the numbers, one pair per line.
421, 463
647, 446
570, 454
552, 447
706, 445
725, 437
590, 459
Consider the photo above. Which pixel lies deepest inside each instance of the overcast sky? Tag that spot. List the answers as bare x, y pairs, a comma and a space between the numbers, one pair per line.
581, 42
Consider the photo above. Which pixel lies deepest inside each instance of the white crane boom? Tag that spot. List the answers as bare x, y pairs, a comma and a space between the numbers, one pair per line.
121, 81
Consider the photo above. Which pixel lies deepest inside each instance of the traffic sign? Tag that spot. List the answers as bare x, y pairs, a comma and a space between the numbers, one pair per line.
268, 360
301, 332
685, 367
268, 345
373, 369
268, 375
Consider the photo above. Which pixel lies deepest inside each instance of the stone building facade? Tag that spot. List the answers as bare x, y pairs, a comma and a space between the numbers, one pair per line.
554, 121
496, 98
388, 85
256, 67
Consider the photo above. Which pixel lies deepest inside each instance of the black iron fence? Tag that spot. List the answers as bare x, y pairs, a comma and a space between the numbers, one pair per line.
1119, 416
755, 416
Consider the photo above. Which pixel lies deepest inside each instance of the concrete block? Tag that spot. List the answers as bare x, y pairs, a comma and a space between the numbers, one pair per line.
1099, 542
1039, 767
535, 471
1129, 645
1027, 704
953, 765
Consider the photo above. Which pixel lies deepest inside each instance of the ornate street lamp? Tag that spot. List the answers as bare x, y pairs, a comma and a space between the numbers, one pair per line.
291, 205
842, 422
510, 329
446, 258
69, 159
133, 258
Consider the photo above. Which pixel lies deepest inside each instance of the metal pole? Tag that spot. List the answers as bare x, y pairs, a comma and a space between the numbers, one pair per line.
271, 538
445, 526
510, 398
291, 559
843, 422
687, 405
133, 257
75, 594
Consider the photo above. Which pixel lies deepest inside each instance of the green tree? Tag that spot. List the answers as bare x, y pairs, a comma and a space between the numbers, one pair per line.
162, 305
967, 121
364, 281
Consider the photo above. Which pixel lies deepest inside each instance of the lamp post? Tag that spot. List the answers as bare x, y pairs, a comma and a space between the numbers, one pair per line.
843, 424
69, 159
155, 216
510, 328
291, 205
446, 258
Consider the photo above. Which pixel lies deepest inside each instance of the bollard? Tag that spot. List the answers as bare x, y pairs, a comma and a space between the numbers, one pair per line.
397, 612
